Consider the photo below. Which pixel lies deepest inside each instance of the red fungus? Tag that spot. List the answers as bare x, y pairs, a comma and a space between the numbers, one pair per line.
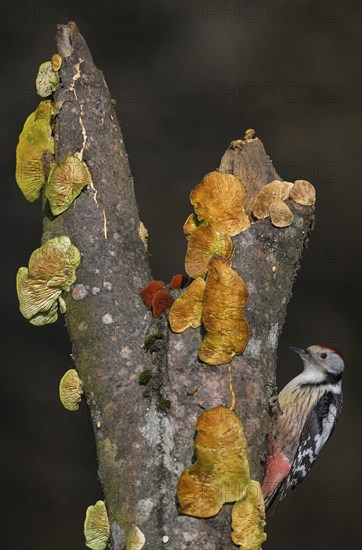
177, 281
162, 301
148, 292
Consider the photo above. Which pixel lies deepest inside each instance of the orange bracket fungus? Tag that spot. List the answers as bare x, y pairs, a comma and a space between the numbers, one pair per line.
303, 193
156, 296
248, 519
136, 539
96, 526
47, 80
70, 390
222, 315
203, 244
220, 200
267, 195
177, 281
34, 141
65, 182
51, 270
221, 471
162, 301
187, 309
148, 292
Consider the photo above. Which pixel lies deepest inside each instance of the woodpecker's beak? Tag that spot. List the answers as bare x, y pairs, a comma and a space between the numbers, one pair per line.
299, 351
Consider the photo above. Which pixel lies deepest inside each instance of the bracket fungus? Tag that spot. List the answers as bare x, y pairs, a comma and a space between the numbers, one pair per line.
280, 214
222, 315
204, 243
267, 195
190, 224
51, 270
96, 526
156, 297
220, 200
177, 281
248, 519
221, 471
47, 80
70, 390
162, 301
303, 193
56, 62
34, 141
136, 539
65, 183
186, 311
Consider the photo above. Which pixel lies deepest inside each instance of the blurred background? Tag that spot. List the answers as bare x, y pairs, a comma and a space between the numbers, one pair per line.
188, 78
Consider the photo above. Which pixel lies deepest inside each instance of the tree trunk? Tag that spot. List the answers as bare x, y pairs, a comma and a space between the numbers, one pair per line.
143, 444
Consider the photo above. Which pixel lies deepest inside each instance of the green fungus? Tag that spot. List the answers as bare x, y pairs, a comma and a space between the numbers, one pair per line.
96, 526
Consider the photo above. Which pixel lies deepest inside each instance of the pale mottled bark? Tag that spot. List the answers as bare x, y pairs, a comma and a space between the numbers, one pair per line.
142, 445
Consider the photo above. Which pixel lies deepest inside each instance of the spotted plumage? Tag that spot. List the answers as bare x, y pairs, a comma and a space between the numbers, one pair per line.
310, 407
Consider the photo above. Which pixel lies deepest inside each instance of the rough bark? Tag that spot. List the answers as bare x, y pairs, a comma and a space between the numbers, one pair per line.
143, 445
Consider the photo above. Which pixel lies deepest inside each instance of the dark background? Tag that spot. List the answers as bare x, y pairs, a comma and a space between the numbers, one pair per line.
188, 78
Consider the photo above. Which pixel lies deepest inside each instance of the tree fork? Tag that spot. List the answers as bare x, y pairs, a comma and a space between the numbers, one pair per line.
145, 440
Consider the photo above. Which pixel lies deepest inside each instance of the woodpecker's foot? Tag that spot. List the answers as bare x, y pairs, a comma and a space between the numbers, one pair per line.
274, 406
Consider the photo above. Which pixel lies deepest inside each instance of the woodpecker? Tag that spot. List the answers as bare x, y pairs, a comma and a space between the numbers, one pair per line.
306, 415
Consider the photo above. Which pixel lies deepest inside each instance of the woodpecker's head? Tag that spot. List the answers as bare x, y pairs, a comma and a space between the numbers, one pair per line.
323, 359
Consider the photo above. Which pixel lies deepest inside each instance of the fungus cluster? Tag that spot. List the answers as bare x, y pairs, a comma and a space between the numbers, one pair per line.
96, 526
156, 296
51, 270
66, 180
220, 475
270, 200
217, 302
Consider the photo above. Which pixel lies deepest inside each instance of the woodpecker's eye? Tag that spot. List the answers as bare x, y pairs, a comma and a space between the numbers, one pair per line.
324, 355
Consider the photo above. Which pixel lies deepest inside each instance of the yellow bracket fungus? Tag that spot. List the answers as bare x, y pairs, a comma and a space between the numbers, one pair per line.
203, 244
51, 270
187, 309
65, 183
96, 526
34, 141
190, 225
227, 329
56, 62
220, 200
47, 80
221, 472
70, 390
303, 193
248, 519
136, 539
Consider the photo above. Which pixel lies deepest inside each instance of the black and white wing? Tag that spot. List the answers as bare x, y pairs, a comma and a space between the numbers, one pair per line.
317, 430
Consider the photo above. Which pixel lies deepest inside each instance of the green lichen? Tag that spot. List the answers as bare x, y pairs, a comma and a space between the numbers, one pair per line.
151, 339
47, 80
144, 377
164, 404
